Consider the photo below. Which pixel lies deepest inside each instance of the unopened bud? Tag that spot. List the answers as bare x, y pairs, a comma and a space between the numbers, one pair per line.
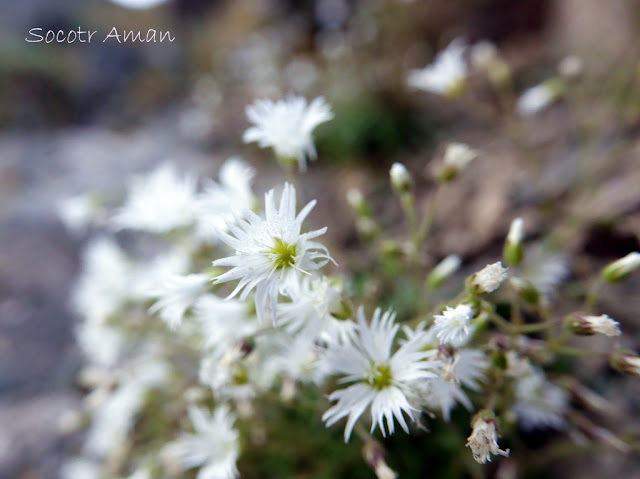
456, 158
539, 97
513, 251
485, 58
401, 179
525, 289
488, 279
357, 202
443, 270
375, 458
571, 67
621, 269
391, 249
585, 325
625, 362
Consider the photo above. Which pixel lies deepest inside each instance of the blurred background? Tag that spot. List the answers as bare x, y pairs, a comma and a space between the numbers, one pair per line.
81, 117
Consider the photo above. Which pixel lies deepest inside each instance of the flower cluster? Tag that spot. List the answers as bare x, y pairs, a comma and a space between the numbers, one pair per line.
178, 345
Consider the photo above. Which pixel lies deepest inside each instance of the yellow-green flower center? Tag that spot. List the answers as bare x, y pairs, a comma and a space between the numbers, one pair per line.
380, 376
284, 254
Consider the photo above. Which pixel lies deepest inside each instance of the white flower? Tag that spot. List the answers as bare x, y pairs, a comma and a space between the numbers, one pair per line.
382, 380
539, 403
176, 295
152, 275
545, 270
517, 366
463, 368
453, 324
77, 212
138, 4
115, 415
536, 99
489, 278
227, 377
100, 342
286, 126
446, 75
214, 447
80, 468
219, 201
223, 323
106, 280
401, 179
483, 441
271, 253
158, 202
309, 313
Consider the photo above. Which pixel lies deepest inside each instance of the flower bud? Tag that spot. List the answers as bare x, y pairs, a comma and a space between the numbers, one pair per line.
391, 249
456, 158
525, 289
443, 271
513, 251
539, 97
625, 362
571, 67
358, 204
374, 456
367, 228
622, 268
584, 325
401, 179
485, 58
488, 279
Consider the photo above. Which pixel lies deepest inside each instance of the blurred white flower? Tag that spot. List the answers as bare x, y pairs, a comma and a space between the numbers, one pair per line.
114, 416
214, 447
227, 377
105, 282
271, 254
138, 4
453, 324
80, 468
219, 201
310, 312
286, 126
539, 403
101, 343
77, 213
158, 202
176, 295
446, 75
223, 322
383, 380
466, 368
